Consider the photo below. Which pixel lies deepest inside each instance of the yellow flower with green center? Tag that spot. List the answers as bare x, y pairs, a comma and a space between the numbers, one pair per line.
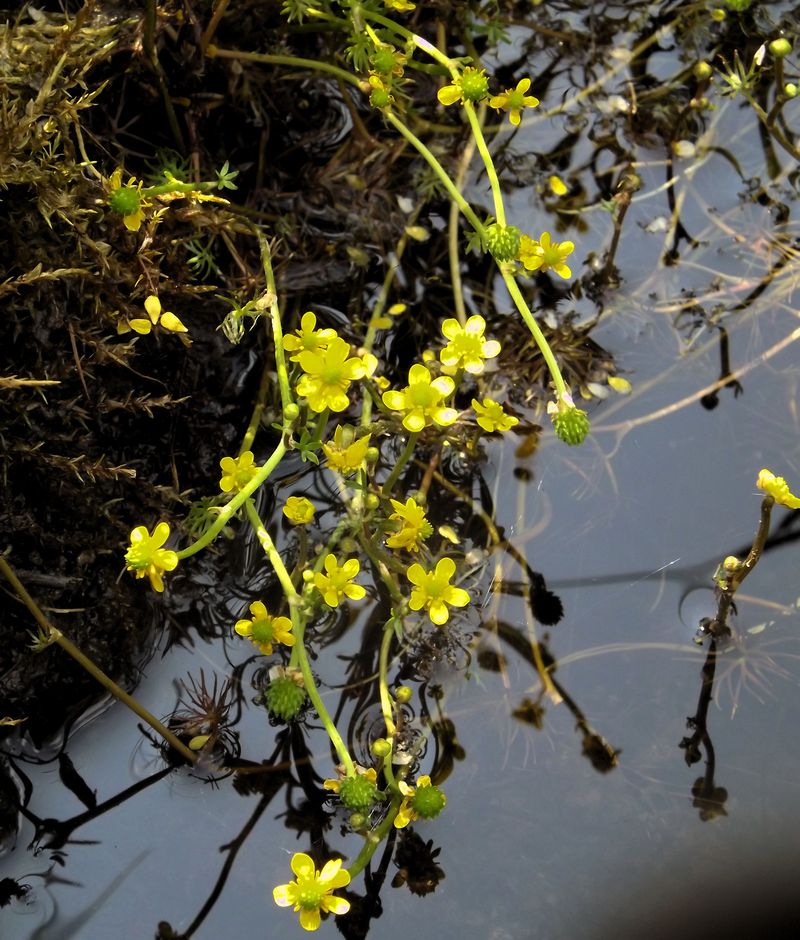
146, 555
492, 416
544, 254
299, 510
164, 319
263, 629
467, 348
421, 400
307, 338
312, 893
369, 773
433, 590
470, 85
345, 452
328, 374
237, 472
337, 582
514, 100
778, 489
414, 525
424, 800
127, 200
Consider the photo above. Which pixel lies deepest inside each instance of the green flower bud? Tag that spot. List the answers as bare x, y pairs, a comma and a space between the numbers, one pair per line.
358, 793
428, 802
358, 821
373, 500
372, 454
125, 201
718, 15
284, 698
503, 241
381, 748
790, 90
383, 60
702, 71
291, 412
572, 425
380, 98
403, 694
780, 47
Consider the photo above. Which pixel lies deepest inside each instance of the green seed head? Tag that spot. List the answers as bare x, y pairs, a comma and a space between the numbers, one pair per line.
124, 201
380, 98
428, 802
358, 793
474, 84
383, 60
503, 241
572, 425
284, 698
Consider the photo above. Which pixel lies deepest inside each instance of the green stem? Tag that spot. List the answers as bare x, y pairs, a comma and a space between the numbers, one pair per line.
400, 465
108, 683
230, 509
437, 167
275, 318
315, 65
374, 839
491, 172
533, 326
383, 684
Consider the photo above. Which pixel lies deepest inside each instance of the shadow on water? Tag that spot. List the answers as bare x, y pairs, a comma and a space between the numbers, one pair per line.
606, 772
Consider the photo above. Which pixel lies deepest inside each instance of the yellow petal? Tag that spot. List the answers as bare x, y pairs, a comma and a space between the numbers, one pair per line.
170, 322
141, 326
153, 307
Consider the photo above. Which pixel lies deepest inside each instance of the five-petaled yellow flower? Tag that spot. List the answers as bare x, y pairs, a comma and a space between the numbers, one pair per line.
311, 893
299, 510
337, 582
146, 556
467, 348
778, 489
544, 254
514, 100
237, 472
433, 591
414, 525
307, 338
264, 629
421, 400
470, 85
328, 374
164, 319
492, 416
424, 799
345, 452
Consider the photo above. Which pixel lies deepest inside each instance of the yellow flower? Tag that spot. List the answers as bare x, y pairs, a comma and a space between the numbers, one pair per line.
514, 100
557, 185
311, 892
433, 591
414, 525
328, 374
307, 338
166, 319
369, 773
264, 629
467, 348
346, 453
147, 557
778, 489
337, 584
470, 85
544, 254
127, 200
423, 800
299, 510
492, 416
421, 400
237, 472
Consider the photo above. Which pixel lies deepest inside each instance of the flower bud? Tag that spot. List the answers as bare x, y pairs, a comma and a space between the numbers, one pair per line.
403, 694
780, 47
790, 90
381, 748
702, 71
291, 412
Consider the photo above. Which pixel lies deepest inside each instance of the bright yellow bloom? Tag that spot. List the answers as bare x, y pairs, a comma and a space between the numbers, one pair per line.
311, 893
127, 200
307, 338
422, 800
544, 254
299, 510
337, 583
335, 785
346, 453
433, 591
414, 525
514, 100
147, 557
467, 348
164, 319
492, 417
263, 629
470, 85
237, 472
557, 185
421, 400
328, 374
778, 489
